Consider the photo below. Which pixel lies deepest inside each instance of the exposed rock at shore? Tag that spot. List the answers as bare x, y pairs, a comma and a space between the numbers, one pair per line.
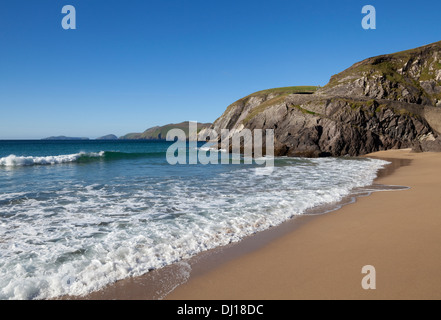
387, 102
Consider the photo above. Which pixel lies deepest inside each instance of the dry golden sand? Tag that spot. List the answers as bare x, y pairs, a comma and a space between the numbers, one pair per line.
398, 232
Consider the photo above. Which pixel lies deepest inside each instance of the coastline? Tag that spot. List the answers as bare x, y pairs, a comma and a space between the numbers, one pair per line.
185, 280
396, 232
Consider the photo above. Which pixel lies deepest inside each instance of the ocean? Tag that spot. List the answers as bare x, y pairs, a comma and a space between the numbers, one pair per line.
76, 216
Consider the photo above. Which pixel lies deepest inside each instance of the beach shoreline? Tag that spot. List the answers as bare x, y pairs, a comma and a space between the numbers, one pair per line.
396, 232
184, 280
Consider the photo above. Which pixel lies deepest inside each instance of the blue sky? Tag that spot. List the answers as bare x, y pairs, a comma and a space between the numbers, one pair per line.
134, 64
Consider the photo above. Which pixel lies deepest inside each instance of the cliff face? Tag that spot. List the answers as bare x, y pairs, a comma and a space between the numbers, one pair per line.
412, 76
391, 101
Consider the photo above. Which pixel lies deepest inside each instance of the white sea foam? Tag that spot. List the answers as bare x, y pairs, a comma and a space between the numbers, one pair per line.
214, 149
87, 236
8, 196
18, 161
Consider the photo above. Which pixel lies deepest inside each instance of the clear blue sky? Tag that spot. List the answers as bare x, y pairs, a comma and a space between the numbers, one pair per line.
135, 64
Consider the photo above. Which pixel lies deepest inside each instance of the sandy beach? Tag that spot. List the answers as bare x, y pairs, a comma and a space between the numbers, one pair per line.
322, 256
397, 232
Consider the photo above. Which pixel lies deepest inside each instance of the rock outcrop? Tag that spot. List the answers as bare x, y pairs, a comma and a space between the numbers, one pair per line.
387, 102
412, 76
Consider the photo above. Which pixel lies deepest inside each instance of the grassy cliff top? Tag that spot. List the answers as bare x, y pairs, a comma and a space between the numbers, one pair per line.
394, 66
284, 91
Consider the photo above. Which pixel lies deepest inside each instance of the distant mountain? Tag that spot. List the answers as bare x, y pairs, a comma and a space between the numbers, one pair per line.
160, 133
64, 138
108, 137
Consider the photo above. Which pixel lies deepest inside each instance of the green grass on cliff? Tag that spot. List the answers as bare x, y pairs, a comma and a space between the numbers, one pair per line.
388, 65
277, 96
262, 107
396, 68
275, 92
305, 111
286, 90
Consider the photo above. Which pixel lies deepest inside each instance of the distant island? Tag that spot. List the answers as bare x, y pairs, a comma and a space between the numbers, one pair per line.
64, 138
108, 137
160, 133
155, 133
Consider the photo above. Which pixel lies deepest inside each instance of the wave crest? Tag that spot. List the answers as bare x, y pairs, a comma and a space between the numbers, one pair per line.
82, 157
19, 161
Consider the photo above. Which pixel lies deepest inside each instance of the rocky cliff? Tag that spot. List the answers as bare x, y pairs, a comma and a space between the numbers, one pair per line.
412, 76
385, 102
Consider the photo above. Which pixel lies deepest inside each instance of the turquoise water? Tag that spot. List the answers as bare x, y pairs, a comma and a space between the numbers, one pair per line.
78, 215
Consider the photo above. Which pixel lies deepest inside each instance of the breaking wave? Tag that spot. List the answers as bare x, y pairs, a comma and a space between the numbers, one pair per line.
81, 157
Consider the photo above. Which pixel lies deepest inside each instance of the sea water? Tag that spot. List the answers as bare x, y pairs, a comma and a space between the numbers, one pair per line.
76, 216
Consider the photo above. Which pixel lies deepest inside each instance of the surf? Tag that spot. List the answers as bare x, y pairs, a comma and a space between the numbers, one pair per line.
81, 157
